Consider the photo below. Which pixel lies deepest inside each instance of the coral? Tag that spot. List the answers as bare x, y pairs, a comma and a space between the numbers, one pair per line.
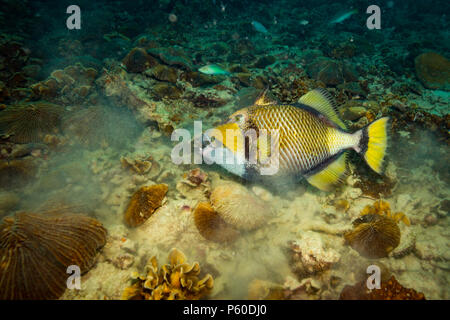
198, 79
265, 290
211, 226
331, 72
16, 68
144, 203
383, 208
37, 248
176, 280
163, 73
390, 290
172, 56
373, 236
207, 98
433, 70
371, 184
341, 205
353, 110
30, 122
137, 60
376, 233
73, 85
143, 165
194, 185
264, 61
238, 206
310, 256
166, 90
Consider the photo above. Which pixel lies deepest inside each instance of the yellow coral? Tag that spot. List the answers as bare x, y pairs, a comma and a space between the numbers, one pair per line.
383, 208
176, 280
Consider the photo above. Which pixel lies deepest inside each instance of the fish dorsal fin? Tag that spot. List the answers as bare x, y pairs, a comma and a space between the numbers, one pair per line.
330, 175
265, 99
322, 101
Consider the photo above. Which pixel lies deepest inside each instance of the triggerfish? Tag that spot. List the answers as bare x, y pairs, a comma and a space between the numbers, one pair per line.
311, 141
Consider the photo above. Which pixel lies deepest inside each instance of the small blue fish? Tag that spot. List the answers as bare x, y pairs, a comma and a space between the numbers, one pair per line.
342, 16
259, 27
213, 69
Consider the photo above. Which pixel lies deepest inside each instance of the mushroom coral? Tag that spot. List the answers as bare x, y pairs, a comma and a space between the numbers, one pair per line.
37, 248
144, 203
376, 232
30, 122
238, 206
389, 290
176, 280
211, 226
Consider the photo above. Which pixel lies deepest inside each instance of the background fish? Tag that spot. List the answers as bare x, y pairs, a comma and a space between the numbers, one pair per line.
259, 27
312, 140
342, 16
213, 69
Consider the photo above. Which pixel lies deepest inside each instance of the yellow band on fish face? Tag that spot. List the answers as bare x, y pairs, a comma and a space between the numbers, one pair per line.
230, 135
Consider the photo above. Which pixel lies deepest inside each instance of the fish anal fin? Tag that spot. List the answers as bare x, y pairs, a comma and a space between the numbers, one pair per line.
322, 101
265, 99
332, 174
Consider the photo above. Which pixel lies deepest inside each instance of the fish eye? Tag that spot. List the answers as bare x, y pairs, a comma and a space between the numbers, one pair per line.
238, 117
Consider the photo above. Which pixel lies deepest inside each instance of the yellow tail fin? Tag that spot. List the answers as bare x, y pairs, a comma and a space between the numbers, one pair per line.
373, 143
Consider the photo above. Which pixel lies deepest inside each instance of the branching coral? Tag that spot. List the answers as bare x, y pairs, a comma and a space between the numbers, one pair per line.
37, 248
390, 290
144, 203
376, 233
211, 226
176, 280
30, 122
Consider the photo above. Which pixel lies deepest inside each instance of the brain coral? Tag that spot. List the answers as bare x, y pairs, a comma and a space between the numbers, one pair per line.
176, 280
37, 248
144, 203
238, 206
433, 70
